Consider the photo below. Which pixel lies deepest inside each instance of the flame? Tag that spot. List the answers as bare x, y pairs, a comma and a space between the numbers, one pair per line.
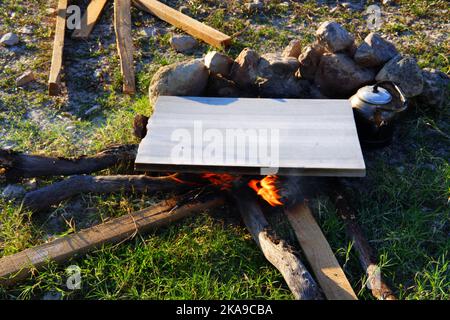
267, 189
177, 179
224, 180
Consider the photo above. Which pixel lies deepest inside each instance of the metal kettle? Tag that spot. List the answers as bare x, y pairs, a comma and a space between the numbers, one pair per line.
375, 110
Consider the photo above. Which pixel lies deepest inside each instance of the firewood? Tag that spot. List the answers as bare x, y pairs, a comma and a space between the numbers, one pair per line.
89, 19
318, 252
380, 290
43, 198
276, 251
189, 25
54, 80
122, 25
17, 165
16, 267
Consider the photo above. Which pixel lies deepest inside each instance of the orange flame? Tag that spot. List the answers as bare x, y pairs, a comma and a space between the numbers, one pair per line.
224, 180
267, 189
175, 178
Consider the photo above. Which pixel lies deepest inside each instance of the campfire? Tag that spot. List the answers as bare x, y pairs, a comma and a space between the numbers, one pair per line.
331, 67
193, 193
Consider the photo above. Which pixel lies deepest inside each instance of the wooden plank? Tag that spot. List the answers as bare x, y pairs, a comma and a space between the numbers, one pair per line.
299, 137
54, 81
184, 22
17, 266
326, 268
89, 19
122, 25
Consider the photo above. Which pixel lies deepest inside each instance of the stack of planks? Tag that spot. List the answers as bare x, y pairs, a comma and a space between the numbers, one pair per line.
122, 25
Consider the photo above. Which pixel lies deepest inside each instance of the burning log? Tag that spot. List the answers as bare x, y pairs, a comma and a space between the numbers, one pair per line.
375, 283
55, 193
15, 165
17, 266
276, 251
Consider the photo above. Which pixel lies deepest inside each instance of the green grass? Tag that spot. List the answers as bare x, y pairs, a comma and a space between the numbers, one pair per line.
402, 204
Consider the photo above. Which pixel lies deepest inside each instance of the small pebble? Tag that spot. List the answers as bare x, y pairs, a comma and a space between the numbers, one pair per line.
26, 30
25, 78
183, 43
9, 39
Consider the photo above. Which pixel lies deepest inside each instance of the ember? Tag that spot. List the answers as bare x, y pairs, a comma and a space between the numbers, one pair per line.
224, 180
177, 179
267, 189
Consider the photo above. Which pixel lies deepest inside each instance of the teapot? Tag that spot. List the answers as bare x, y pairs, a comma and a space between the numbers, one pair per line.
375, 110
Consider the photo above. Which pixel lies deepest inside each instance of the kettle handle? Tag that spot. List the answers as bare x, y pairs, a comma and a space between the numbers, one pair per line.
402, 95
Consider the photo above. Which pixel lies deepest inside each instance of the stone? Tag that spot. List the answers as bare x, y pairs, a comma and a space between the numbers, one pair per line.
374, 51
9, 39
183, 43
435, 91
351, 51
244, 70
293, 49
276, 77
219, 86
218, 63
25, 78
26, 30
179, 79
275, 65
333, 37
405, 73
50, 11
338, 76
309, 60
315, 93
291, 87
150, 32
13, 191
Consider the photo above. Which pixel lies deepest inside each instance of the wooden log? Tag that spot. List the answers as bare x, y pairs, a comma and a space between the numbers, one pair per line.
89, 19
17, 266
187, 24
19, 165
380, 290
276, 251
42, 199
317, 250
122, 26
54, 81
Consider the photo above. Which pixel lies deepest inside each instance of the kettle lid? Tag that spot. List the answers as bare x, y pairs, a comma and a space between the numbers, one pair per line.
374, 95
